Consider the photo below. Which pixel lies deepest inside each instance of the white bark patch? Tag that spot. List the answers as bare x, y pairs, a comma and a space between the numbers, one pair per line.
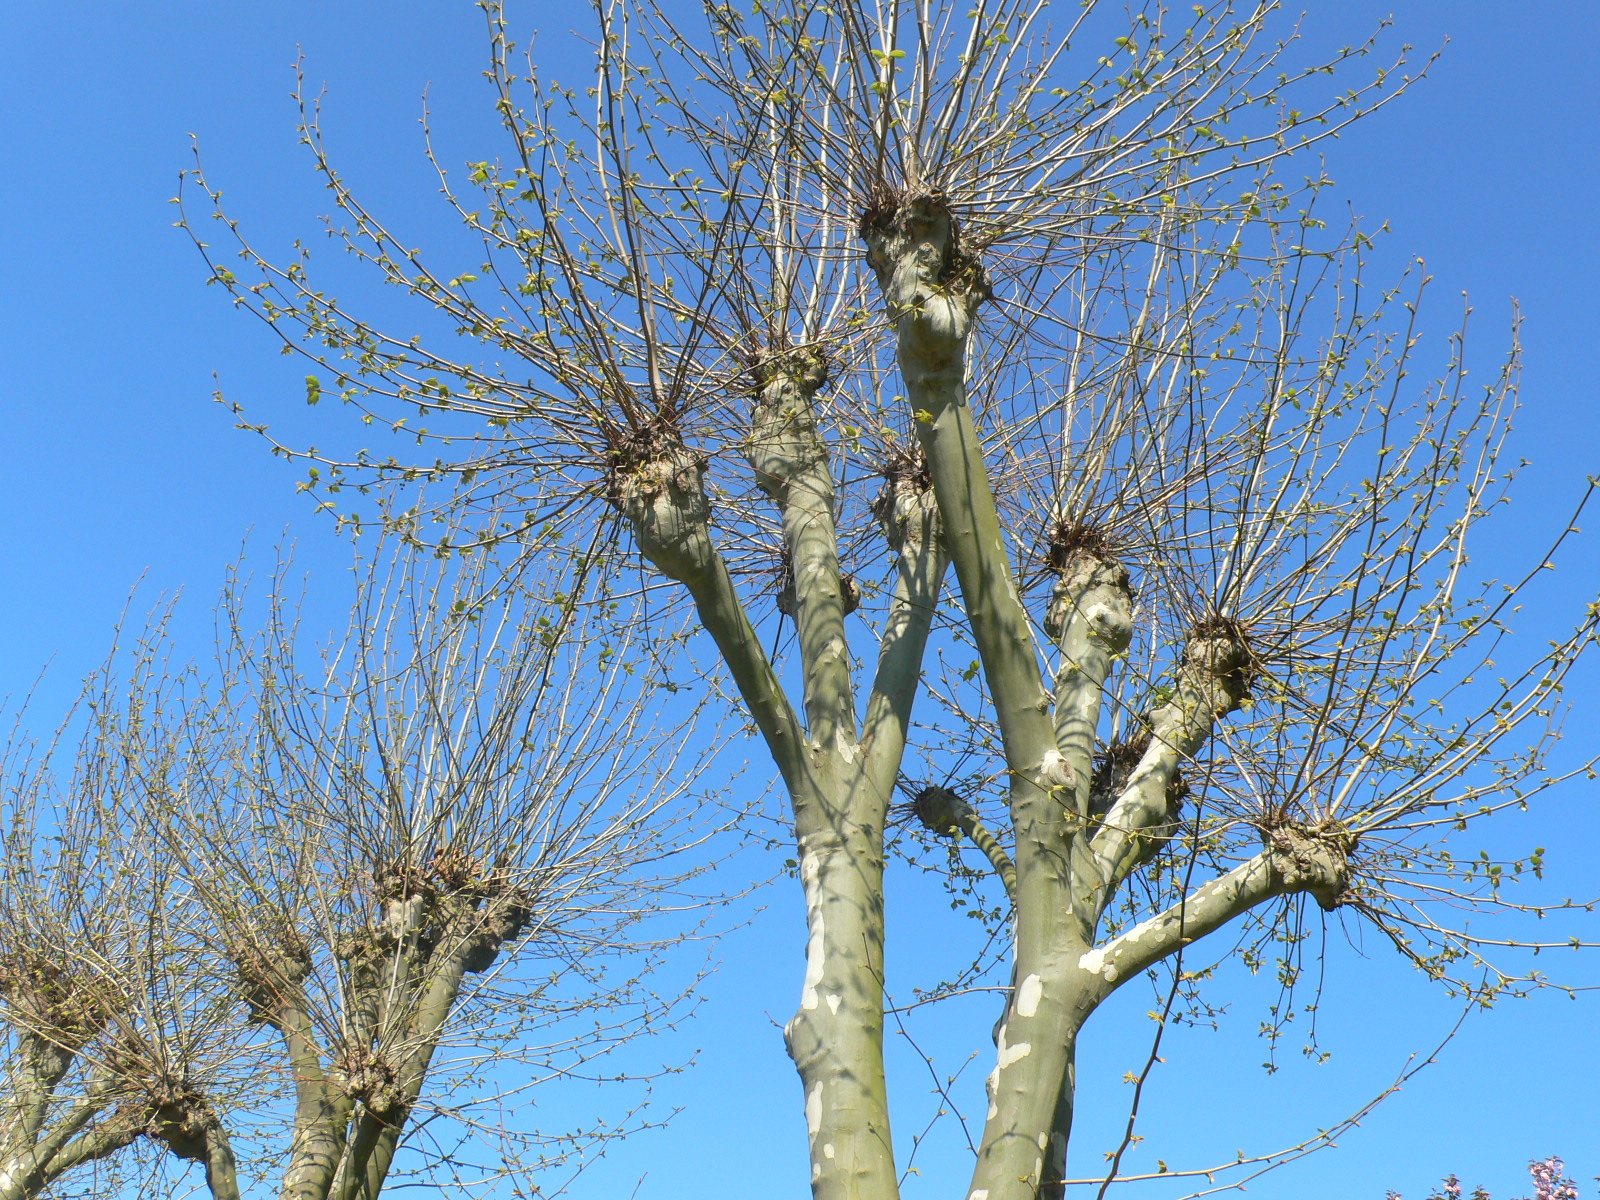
992, 1085
1095, 962
980, 1194
1012, 1054
833, 1004
815, 954
1044, 1140
1054, 770
1028, 996
816, 944
827, 1150
814, 1109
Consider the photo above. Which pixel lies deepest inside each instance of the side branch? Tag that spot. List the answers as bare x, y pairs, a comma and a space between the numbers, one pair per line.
64, 1146
947, 814
1211, 684
911, 523
1091, 619
1296, 859
791, 465
92, 1146
664, 500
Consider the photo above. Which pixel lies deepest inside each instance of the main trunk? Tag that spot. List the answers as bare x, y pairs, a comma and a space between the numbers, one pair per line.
1023, 1154
836, 1035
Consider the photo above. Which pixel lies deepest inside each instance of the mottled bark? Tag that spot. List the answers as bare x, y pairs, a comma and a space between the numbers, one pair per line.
836, 1035
839, 779
1070, 854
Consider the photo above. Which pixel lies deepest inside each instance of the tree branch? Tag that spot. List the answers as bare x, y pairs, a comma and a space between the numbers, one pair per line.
30, 1168
320, 1113
1211, 684
222, 1171
791, 465
664, 499
911, 520
946, 813
43, 1065
1091, 620
1296, 859
933, 290
53, 1163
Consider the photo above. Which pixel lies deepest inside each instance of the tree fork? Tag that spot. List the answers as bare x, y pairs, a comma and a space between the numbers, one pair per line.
836, 1036
932, 288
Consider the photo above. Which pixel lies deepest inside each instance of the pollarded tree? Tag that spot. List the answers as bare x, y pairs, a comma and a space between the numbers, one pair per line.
287, 918
1039, 304
111, 1018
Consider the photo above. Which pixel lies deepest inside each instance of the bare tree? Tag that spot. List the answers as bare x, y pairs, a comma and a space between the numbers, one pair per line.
112, 1019
326, 925
1043, 304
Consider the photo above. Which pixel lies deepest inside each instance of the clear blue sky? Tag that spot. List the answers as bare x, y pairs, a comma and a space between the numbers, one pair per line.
119, 467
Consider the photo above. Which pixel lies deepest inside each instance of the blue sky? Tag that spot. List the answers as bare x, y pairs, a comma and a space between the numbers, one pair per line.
120, 468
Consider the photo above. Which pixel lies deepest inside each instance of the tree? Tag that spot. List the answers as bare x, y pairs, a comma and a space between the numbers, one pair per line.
1550, 1182
323, 923
1057, 292
107, 1021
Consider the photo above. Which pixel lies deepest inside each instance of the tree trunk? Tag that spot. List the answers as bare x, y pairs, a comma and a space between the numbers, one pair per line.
836, 1035
1023, 1154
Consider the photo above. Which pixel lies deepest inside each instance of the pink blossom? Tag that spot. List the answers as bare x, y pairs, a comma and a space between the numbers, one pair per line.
1550, 1182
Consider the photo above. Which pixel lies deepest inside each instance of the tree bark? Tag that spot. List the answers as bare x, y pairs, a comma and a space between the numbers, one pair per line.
836, 1036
